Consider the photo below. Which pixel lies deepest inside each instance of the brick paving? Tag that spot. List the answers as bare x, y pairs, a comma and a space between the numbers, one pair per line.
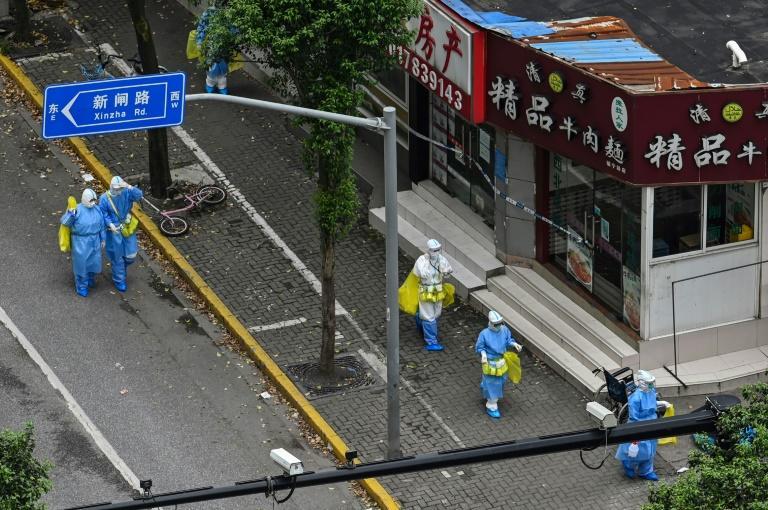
260, 154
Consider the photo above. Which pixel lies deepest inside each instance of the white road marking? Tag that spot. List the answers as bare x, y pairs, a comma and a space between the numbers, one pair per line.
277, 325
373, 359
74, 407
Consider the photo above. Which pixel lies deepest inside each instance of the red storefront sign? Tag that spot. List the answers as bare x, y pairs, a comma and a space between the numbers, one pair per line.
447, 57
711, 135
691, 136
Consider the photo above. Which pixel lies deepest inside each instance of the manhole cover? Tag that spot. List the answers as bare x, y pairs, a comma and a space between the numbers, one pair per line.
350, 373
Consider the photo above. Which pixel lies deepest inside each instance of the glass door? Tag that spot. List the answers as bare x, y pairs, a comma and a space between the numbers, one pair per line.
607, 241
606, 213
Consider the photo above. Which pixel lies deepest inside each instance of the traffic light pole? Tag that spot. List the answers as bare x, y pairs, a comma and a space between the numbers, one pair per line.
701, 420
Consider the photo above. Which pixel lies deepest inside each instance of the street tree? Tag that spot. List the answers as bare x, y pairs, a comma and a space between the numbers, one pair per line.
159, 168
23, 478
730, 473
320, 51
23, 27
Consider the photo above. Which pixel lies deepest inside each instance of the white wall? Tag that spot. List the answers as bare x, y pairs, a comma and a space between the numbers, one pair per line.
703, 302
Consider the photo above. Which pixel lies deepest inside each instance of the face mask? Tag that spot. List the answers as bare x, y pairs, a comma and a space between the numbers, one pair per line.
115, 192
434, 256
90, 203
494, 327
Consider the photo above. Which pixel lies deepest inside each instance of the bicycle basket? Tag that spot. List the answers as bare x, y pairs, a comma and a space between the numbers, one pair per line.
617, 388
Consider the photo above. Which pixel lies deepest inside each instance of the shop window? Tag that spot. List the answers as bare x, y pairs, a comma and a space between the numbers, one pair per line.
676, 220
730, 213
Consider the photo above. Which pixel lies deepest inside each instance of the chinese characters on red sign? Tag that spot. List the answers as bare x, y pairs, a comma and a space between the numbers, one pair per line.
704, 135
442, 59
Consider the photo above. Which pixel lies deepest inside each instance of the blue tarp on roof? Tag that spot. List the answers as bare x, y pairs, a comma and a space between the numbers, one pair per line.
514, 26
597, 51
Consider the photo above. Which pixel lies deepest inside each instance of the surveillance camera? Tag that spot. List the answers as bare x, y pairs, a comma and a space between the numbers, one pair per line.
604, 417
290, 464
739, 57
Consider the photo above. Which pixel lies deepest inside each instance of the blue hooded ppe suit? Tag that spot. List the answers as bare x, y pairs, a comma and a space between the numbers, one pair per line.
494, 341
87, 233
642, 406
216, 76
120, 250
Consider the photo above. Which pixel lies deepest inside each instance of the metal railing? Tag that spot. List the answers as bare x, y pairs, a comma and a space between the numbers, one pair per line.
674, 319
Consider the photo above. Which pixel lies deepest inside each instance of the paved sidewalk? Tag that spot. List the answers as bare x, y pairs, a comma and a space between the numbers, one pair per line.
441, 404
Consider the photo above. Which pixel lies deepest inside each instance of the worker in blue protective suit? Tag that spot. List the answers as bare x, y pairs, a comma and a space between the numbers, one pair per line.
86, 224
115, 205
491, 345
431, 268
216, 75
637, 456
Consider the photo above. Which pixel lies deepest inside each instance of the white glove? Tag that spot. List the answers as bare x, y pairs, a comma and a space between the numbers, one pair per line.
663, 403
634, 448
127, 218
112, 228
483, 357
518, 347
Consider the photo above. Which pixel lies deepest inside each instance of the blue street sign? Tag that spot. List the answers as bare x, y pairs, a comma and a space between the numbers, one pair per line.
110, 106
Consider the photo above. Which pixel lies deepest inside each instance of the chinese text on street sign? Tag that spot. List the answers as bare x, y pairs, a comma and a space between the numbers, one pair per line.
110, 106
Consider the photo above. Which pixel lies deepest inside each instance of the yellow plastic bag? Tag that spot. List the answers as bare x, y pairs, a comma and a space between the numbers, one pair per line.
193, 50
668, 440
65, 237
408, 295
130, 227
450, 294
236, 62
515, 370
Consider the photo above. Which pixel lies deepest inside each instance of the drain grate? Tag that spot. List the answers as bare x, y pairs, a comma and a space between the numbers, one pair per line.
350, 373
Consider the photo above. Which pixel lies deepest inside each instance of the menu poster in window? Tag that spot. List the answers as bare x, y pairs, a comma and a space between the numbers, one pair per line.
579, 260
631, 285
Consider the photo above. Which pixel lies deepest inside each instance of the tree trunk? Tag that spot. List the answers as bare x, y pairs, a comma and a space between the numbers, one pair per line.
159, 169
23, 28
328, 307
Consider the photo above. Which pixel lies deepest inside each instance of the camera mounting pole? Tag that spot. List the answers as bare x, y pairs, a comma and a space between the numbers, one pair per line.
703, 419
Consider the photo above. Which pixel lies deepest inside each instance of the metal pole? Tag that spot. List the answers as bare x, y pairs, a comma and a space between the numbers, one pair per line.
393, 310
371, 123
388, 125
700, 420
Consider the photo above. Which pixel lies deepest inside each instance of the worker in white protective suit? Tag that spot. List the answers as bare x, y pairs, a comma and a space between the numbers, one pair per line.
431, 268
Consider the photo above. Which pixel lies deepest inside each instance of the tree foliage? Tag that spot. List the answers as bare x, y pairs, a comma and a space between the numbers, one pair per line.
23, 478
319, 51
731, 473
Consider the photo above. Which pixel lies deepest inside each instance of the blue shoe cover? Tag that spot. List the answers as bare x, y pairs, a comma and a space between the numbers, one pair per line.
122, 287
210, 89
91, 282
434, 347
493, 414
82, 291
629, 473
652, 476
224, 91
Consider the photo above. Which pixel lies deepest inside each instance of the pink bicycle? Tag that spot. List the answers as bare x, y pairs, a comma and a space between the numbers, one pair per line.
172, 225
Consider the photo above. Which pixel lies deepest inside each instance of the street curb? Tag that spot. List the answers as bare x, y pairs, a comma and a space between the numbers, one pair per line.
289, 390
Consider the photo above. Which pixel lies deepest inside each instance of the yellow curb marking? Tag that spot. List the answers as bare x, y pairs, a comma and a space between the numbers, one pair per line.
220, 310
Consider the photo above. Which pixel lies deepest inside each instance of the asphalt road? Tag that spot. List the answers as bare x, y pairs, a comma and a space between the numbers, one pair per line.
175, 407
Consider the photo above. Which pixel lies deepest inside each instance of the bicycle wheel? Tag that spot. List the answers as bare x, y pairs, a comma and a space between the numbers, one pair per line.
211, 195
173, 227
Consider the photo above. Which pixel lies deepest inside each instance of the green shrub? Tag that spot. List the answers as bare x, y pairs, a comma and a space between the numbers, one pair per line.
23, 478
